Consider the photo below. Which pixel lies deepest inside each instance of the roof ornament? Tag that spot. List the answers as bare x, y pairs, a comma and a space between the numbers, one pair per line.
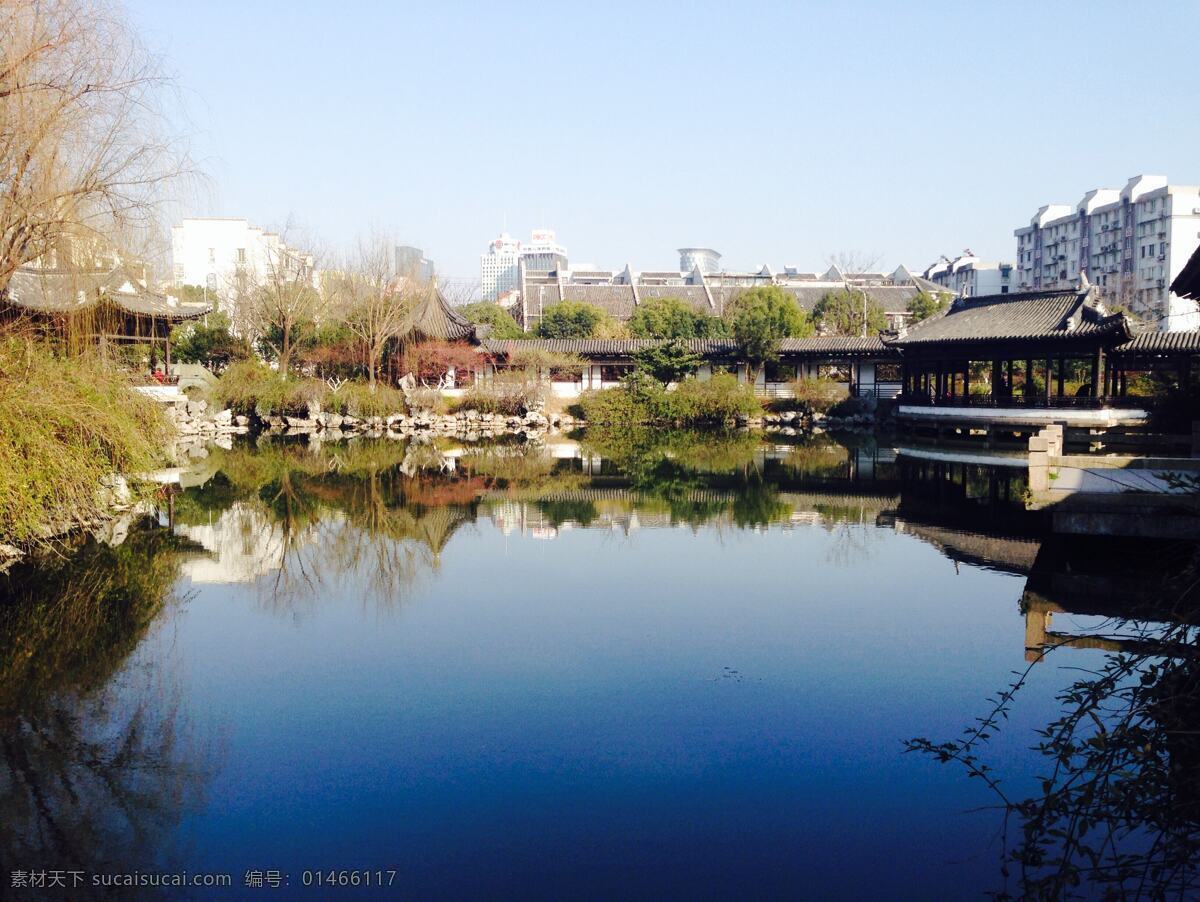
1084, 283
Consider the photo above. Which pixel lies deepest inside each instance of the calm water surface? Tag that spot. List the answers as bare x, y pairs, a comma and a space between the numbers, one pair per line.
657, 666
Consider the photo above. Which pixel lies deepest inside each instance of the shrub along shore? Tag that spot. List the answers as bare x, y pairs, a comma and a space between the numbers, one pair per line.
75, 433
71, 426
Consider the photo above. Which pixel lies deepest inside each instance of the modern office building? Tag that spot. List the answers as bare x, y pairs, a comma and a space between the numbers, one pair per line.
968, 276
704, 258
543, 253
1130, 243
411, 261
499, 266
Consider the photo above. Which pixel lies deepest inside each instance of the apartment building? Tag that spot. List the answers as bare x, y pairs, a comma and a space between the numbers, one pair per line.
968, 276
227, 256
1131, 243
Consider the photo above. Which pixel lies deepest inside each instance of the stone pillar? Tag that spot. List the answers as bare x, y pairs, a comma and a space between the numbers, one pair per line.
1039, 463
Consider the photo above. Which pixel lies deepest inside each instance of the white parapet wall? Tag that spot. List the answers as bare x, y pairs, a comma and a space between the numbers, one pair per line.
1072, 416
167, 394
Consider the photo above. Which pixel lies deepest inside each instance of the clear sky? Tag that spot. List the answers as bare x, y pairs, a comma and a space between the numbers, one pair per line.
774, 132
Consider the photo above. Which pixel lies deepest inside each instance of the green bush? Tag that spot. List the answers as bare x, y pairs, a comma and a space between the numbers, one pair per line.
251, 388
571, 319
67, 422
491, 314
714, 400
817, 395
640, 399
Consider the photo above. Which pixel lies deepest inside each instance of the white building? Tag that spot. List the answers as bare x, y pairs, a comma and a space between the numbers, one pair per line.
1131, 243
226, 255
543, 253
499, 267
708, 260
968, 276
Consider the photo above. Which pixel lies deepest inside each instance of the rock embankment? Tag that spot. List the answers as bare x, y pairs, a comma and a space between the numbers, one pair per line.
469, 425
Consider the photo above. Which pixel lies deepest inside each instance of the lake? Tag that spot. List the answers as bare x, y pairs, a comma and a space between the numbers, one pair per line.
640, 664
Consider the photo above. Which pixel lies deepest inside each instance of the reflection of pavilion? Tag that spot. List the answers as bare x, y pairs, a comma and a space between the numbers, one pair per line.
243, 545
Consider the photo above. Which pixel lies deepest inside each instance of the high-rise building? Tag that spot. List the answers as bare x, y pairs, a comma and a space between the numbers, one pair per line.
543, 253
1130, 243
500, 266
412, 261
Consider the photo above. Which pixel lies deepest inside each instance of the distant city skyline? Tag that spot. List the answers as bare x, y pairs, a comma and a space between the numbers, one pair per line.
744, 129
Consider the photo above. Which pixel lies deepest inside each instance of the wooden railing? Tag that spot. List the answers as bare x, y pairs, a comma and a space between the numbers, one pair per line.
1063, 402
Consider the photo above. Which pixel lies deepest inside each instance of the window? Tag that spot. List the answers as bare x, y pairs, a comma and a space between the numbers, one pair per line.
212, 255
614, 372
887, 372
571, 377
780, 372
241, 255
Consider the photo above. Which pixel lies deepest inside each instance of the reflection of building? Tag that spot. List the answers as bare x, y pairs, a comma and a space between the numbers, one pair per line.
243, 543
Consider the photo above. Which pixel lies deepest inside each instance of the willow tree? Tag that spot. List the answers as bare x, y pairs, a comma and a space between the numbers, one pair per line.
84, 155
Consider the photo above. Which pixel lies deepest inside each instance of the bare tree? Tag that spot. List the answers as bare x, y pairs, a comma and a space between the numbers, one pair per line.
373, 299
83, 152
282, 296
848, 264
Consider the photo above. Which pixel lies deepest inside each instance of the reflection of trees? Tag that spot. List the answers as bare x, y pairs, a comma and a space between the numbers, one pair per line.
97, 763
1117, 812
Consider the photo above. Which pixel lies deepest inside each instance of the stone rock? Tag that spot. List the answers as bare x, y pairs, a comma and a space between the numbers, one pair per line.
241, 420
223, 418
197, 408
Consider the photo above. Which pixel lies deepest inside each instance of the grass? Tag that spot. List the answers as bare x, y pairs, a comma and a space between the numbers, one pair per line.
66, 423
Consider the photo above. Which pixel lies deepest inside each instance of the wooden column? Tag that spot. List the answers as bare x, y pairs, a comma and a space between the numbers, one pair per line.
1062, 367
996, 378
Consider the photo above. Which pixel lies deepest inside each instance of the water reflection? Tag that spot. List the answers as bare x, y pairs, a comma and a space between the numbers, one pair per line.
102, 763
1117, 807
99, 759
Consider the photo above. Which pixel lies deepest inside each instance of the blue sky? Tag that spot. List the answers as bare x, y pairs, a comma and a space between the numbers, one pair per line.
776, 133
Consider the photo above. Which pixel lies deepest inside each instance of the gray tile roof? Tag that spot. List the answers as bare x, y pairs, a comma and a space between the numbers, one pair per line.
74, 291
831, 346
1161, 342
1187, 283
433, 317
1034, 315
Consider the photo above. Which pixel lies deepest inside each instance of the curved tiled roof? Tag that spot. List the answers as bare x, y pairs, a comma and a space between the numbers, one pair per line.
70, 291
1027, 316
1161, 342
1187, 283
433, 317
